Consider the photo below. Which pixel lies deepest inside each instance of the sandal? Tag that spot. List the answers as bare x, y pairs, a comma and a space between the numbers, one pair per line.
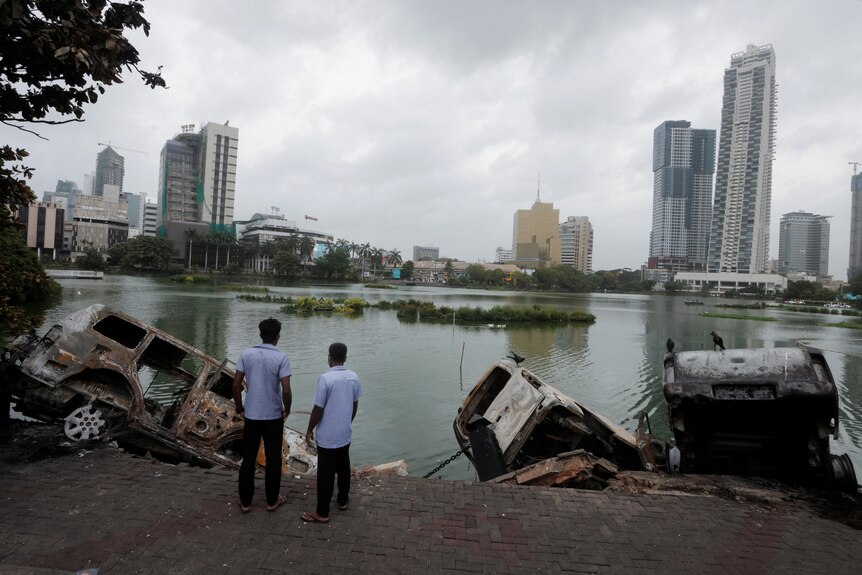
244, 509
345, 506
278, 503
313, 518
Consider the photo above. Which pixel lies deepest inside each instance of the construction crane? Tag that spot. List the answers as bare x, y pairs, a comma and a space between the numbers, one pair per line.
109, 144
855, 166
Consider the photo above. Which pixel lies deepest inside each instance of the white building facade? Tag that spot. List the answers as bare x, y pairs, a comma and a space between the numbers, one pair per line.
576, 243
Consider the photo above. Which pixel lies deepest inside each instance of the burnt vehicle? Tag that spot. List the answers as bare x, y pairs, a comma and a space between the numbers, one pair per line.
766, 412
86, 371
512, 420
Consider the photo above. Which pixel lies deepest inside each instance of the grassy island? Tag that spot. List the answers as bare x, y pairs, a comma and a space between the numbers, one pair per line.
737, 316
498, 314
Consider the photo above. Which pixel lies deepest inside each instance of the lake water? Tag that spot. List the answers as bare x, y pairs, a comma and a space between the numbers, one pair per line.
413, 375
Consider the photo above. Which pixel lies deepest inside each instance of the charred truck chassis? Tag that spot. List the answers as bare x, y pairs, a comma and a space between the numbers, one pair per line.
766, 412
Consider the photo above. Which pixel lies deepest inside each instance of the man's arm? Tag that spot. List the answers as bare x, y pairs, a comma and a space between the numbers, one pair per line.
286, 396
237, 391
355, 407
316, 415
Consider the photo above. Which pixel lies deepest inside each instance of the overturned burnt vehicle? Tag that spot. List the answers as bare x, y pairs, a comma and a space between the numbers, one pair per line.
86, 372
513, 421
766, 412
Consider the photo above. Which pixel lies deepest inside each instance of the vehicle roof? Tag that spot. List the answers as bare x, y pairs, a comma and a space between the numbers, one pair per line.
789, 363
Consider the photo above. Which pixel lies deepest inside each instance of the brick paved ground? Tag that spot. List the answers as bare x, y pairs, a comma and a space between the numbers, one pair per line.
122, 514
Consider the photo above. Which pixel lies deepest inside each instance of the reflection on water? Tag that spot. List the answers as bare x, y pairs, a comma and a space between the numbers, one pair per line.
413, 374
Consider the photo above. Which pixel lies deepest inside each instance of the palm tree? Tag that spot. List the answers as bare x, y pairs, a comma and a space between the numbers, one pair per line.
207, 240
394, 258
376, 255
191, 234
230, 241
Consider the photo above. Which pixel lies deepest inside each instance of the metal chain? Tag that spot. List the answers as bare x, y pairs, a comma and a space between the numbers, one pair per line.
445, 463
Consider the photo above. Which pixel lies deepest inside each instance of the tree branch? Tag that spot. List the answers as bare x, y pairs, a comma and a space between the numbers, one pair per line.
23, 129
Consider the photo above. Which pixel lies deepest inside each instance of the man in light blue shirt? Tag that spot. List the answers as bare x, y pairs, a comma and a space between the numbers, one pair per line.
267, 404
335, 403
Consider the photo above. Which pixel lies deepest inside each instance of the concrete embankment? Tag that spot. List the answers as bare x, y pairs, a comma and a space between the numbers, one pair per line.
106, 509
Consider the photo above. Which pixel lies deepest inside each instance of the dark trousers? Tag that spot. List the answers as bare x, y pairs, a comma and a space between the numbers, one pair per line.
272, 432
332, 462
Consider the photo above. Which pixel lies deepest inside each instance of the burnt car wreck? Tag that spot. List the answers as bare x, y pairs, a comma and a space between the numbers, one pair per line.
765, 412
86, 372
512, 421
757, 412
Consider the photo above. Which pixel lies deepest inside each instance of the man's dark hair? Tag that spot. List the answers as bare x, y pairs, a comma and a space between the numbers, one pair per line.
338, 352
270, 329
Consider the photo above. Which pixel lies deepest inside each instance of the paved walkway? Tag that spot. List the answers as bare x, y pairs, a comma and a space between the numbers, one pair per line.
110, 511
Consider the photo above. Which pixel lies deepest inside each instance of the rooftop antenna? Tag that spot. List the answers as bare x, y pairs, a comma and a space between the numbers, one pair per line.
855, 166
275, 210
539, 189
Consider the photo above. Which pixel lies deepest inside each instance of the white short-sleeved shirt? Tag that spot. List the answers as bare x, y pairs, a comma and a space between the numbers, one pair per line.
263, 366
337, 389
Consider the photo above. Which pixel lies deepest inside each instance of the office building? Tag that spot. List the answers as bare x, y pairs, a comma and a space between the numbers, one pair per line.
100, 221
855, 266
262, 229
803, 244
151, 219
425, 253
536, 236
197, 183
136, 209
42, 227
739, 235
110, 170
503, 255
683, 166
576, 243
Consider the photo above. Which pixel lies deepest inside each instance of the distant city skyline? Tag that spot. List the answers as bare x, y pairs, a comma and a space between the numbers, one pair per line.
406, 124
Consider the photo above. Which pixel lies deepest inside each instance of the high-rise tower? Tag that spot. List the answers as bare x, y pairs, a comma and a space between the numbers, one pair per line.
536, 236
197, 183
576, 243
803, 244
739, 234
855, 266
110, 169
683, 165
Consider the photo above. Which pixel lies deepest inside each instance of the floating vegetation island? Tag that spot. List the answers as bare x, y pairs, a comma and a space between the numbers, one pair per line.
737, 316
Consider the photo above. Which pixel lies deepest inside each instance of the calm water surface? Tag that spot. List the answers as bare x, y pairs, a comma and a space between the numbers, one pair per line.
412, 373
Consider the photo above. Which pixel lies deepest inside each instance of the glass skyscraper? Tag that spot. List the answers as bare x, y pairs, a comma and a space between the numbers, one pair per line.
683, 166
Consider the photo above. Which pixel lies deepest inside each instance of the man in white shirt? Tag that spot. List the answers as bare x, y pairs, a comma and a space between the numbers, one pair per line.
267, 404
335, 403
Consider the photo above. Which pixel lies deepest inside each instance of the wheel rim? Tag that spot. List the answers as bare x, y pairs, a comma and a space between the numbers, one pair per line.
86, 422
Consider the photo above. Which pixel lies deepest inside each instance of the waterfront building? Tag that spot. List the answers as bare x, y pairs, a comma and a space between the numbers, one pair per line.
576, 243
42, 227
110, 170
803, 244
855, 266
720, 282
503, 255
89, 182
683, 166
100, 221
536, 236
739, 234
262, 229
197, 184
425, 253
64, 193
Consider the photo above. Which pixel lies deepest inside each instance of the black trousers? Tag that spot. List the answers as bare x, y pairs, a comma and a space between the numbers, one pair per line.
332, 462
272, 432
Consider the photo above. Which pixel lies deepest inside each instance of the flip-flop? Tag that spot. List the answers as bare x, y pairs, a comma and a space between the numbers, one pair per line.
278, 503
244, 509
345, 506
313, 518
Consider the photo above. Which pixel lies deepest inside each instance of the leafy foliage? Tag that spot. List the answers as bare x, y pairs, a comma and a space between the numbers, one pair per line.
410, 309
407, 270
806, 290
334, 264
91, 260
23, 280
143, 252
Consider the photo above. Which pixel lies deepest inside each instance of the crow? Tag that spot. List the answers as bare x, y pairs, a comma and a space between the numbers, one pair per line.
717, 342
516, 358
669, 343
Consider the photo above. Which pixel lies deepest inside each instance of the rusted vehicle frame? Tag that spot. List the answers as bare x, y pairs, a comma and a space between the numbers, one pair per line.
92, 361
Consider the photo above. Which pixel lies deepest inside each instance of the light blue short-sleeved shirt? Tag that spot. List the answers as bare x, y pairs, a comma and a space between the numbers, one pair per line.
263, 366
337, 389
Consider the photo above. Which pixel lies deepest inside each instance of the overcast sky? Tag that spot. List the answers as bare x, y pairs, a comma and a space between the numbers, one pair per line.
427, 123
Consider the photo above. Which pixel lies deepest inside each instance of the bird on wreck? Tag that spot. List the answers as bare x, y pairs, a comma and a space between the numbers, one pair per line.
717, 342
